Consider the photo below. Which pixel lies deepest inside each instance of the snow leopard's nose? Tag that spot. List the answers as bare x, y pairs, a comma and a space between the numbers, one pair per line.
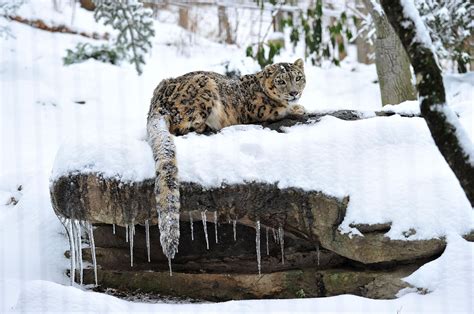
293, 94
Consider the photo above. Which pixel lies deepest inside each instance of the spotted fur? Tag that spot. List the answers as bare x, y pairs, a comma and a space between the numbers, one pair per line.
208, 101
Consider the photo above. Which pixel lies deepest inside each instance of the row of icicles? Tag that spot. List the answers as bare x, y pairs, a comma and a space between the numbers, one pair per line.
75, 229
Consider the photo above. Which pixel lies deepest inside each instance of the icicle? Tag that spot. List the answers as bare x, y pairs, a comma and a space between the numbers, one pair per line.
147, 235
266, 238
317, 252
192, 227
215, 225
234, 226
131, 234
76, 238
126, 233
74, 232
281, 236
72, 250
92, 244
275, 238
257, 243
113, 228
169, 265
204, 223
77, 227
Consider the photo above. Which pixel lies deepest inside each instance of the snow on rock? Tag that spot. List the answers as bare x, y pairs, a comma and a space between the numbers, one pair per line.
390, 168
409, 107
125, 158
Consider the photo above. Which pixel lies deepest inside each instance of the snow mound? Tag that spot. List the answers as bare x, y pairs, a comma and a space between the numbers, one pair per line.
390, 168
409, 107
125, 158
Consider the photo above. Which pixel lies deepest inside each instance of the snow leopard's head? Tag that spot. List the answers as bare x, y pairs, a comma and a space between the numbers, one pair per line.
284, 82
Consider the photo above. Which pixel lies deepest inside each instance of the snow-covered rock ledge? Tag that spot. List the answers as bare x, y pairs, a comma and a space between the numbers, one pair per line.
329, 195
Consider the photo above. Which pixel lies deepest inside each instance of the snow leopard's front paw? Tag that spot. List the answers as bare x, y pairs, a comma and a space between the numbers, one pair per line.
296, 110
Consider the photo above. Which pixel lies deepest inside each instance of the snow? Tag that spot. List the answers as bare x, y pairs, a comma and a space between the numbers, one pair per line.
389, 166
447, 273
449, 278
75, 17
124, 158
464, 141
422, 34
376, 161
377, 7
409, 107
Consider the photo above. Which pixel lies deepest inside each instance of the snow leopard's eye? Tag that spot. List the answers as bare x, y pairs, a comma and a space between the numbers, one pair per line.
280, 82
299, 77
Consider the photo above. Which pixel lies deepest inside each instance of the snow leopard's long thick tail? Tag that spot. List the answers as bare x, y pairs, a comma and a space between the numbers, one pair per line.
166, 182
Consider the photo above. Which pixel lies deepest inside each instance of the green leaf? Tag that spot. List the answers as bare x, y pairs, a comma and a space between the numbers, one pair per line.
249, 51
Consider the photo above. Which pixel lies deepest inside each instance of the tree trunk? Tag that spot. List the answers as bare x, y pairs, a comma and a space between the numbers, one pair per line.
225, 32
364, 49
183, 17
444, 125
391, 60
87, 4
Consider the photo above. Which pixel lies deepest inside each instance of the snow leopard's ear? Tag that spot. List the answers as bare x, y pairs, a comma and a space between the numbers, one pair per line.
299, 63
269, 70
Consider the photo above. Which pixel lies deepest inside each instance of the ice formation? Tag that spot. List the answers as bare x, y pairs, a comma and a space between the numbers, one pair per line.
72, 248
73, 229
215, 226
281, 239
234, 227
266, 240
90, 232
257, 244
191, 224
147, 235
131, 235
275, 238
204, 224
78, 246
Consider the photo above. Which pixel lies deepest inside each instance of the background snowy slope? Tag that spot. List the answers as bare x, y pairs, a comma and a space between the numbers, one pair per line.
39, 110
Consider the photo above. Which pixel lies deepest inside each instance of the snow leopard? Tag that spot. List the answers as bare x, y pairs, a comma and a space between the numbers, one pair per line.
207, 102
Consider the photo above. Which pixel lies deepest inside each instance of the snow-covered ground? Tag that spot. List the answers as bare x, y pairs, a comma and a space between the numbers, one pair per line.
389, 166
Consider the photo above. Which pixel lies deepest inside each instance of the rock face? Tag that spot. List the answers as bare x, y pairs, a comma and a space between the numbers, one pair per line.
308, 216
318, 259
